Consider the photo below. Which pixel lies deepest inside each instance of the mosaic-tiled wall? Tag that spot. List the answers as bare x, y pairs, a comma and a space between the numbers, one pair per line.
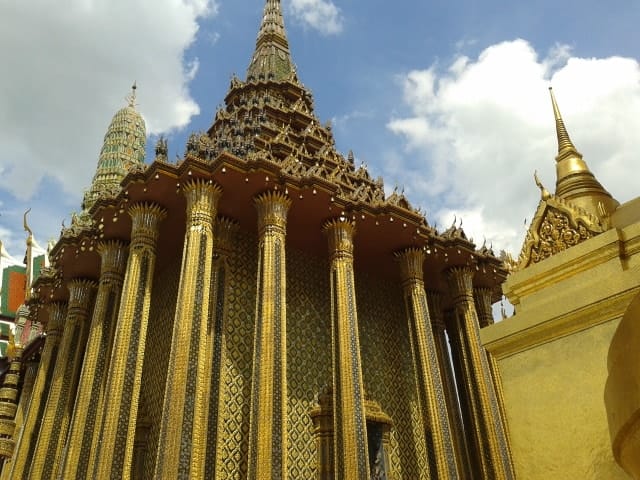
238, 348
388, 371
156, 359
308, 354
386, 358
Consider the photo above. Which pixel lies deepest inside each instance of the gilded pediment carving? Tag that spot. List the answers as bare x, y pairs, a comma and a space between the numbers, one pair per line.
557, 226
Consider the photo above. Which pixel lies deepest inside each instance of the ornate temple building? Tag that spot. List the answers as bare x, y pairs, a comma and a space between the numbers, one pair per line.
261, 309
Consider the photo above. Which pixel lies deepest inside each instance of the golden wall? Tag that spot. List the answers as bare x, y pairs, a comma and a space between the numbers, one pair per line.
552, 355
622, 393
387, 366
553, 395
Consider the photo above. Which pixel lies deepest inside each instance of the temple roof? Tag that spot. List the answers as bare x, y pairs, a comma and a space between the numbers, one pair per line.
271, 59
123, 147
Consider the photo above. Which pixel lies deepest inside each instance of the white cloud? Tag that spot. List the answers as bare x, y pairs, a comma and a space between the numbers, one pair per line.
67, 70
477, 131
321, 15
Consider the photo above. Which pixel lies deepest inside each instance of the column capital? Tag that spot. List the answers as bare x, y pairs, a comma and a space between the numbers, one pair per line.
272, 207
113, 255
411, 264
460, 280
145, 229
483, 296
340, 232
81, 292
57, 314
202, 201
434, 300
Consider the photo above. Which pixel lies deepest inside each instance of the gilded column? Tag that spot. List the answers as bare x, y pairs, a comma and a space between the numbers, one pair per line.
268, 424
431, 399
9, 403
350, 428
28, 436
31, 369
115, 446
113, 255
25, 397
183, 432
55, 421
489, 434
224, 232
434, 300
483, 297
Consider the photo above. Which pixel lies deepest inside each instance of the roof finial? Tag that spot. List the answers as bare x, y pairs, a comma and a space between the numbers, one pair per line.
565, 145
131, 98
544, 193
28, 256
26, 225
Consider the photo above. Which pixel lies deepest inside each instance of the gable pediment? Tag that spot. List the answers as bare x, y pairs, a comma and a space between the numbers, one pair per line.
557, 226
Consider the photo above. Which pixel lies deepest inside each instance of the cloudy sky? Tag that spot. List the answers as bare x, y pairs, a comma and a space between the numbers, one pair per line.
446, 99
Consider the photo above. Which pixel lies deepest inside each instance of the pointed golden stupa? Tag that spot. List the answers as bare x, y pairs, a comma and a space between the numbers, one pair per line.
574, 180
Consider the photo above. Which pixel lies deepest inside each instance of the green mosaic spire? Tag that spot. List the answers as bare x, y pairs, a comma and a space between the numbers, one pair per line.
271, 59
123, 147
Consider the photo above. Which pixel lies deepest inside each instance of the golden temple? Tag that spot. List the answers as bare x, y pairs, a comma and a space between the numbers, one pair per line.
261, 309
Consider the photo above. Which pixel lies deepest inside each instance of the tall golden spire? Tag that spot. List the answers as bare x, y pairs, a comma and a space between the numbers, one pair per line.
574, 180
271, 59
565, 145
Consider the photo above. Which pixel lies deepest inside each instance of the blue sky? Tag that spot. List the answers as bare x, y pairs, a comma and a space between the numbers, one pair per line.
446, 99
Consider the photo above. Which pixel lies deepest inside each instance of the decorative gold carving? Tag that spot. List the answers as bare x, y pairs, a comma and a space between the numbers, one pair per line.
430, 392
556, 226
